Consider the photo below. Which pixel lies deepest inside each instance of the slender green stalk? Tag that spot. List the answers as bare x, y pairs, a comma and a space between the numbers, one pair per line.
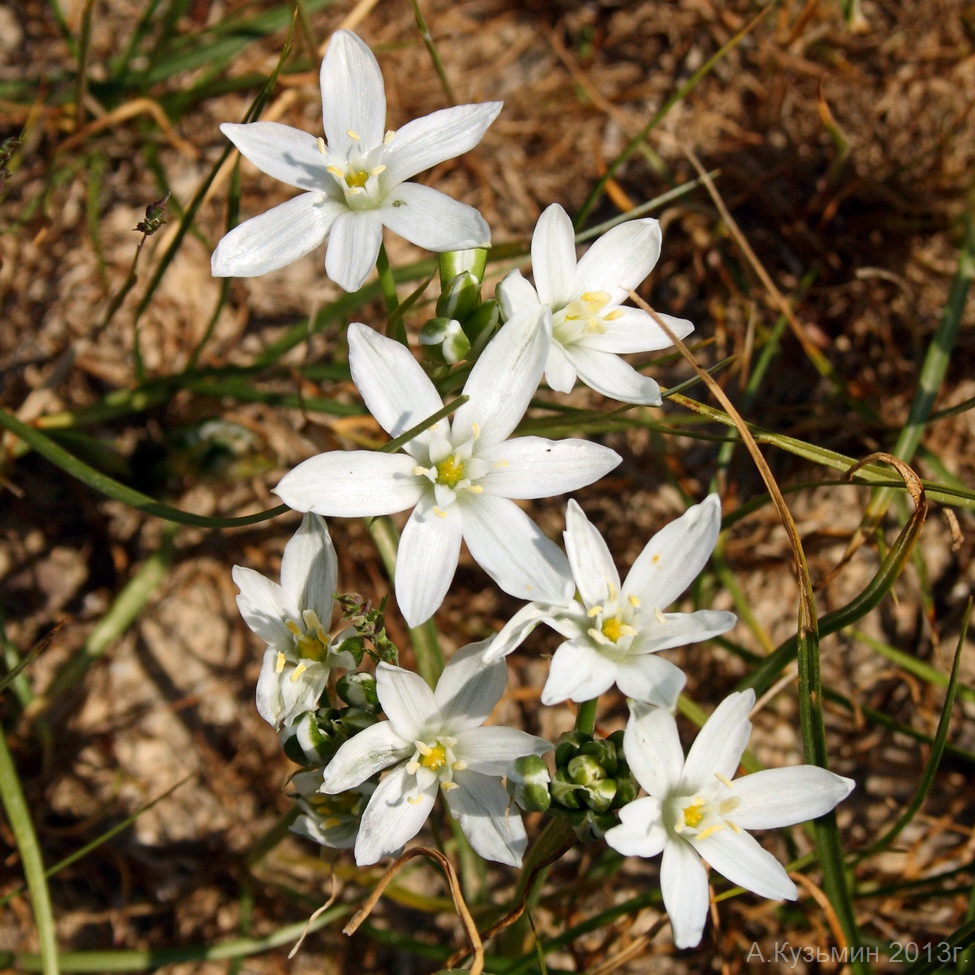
421, 26
586, 716
151, 959
25, 839
932, 371
424, 638
387, 284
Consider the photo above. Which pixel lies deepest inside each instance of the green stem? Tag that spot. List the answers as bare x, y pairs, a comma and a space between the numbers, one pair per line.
25, 838
388, 287
586, 716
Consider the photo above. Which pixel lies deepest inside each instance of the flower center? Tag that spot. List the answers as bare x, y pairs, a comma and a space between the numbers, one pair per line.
612, 630
702, 816
435, 757
583, 316
312, 643
450, 471
357, 179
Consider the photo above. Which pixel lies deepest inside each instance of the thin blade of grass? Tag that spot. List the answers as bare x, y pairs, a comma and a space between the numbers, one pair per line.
25, 839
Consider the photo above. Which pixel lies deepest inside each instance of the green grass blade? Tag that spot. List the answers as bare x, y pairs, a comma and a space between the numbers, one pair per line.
25, 839
934, 757
932, 371
111, 488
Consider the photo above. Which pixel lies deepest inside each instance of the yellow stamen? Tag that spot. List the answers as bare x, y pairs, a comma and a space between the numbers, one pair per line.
711, 830
299, 670
353, 135
450, 471
280, 662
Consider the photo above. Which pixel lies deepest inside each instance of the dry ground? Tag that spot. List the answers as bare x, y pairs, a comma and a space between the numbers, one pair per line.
863, 241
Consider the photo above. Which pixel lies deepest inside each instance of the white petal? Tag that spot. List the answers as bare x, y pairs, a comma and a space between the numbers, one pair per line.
621, 259
353, 97
651, 679
480, 805
393, 816
309, 568
740, 858
721, 742
516, 294
491, 751
298, 694
281, 151
352, 483
610, 375
427, 559
554, 258
534, 467
504, 378
674, 556
276, 238
633, 330
395, 388
362, 756
270, 701
641, 831
593, 568
353, 246
680, 629
430, 140
514, 632
511, 548
431, 220
783, 796
407, 701
653, 750
684, 885
469, 688
560, 374
577, 673
265, 607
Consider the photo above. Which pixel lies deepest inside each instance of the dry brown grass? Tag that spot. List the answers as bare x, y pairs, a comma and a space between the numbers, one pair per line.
864, 246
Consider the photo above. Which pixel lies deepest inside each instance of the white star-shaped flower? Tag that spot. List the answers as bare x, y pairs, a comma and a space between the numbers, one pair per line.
293, 618
590, 324
614, 631
459, 476
695, 810
434, 741
356, 182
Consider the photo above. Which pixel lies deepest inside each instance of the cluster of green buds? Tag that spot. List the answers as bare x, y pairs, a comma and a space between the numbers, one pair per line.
317, 735
591, 782
464, 322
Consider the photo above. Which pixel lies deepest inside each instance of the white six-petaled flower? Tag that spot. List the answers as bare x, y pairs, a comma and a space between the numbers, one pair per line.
355, 184
293, 618
590, 324
614, 630
434, 742
696, 810
459, 476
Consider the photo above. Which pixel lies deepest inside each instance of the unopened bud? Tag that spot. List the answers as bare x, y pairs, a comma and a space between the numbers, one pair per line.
444, 342
528, 783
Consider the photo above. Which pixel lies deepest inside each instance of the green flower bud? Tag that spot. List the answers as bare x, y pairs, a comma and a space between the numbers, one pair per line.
481, 324
568, 746
452, 263
307, 743
603, 750
460, 296
565, 792
627, 790
444, 342
528, 783
358, 690
585, 770
600, 795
